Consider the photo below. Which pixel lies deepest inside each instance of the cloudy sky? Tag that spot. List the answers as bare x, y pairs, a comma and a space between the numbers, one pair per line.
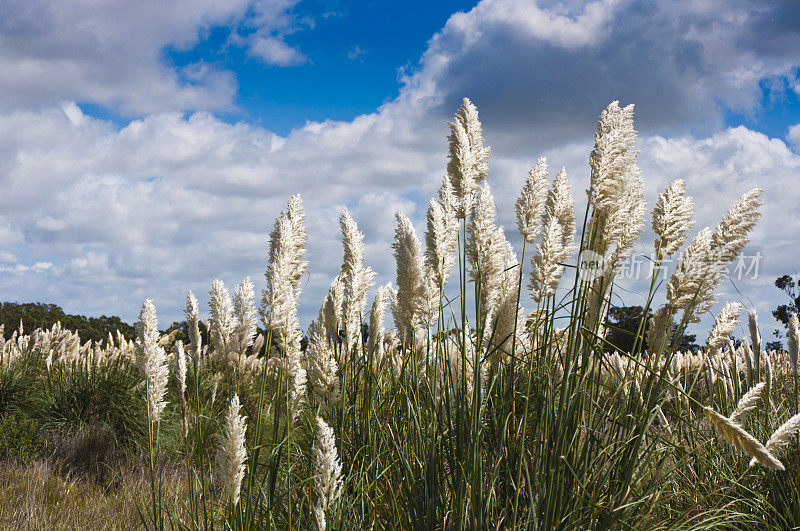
147, 146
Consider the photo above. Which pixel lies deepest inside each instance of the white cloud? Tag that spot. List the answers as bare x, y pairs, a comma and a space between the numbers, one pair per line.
265, 36
112, 53
356, 52
170, 201
793, 136
540, 71
275, 51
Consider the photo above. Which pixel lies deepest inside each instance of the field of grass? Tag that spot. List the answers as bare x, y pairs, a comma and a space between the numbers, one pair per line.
469, 412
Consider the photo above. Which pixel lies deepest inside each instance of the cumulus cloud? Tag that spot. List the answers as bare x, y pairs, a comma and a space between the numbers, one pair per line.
264, 34
793, 136
170, 201
112, 53
541, 70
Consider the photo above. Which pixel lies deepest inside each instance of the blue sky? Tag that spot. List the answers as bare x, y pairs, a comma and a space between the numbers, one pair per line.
354, 57
146, 147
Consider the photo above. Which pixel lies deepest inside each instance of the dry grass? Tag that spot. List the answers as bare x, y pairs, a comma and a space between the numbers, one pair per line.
36, 496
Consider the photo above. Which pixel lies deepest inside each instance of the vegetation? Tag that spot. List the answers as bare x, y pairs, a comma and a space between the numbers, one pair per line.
470, 413
622, 330
39, 315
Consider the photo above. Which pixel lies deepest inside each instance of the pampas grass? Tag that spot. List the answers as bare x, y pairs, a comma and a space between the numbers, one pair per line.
327, 472
470, 412
747, 403
151, 359
672, 218
743, 441
230, 457
783, 435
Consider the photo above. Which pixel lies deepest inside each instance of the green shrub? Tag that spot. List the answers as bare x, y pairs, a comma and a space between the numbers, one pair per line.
18, 436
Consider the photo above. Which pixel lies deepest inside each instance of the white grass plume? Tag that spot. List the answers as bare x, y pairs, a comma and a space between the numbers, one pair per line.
743, 441
491, 257
793, 336
244, 316
231, 454
732, 233
377, 315
327, 471
357, 279
193, 322
748, 402
286, 267
468, 158
413, 284
530, 205
441, 237
783, 435
298, 378
322, 371
221, 318
699, 271
151, 359
724, 325
672, 217
755, 334
561, 206
180, 377
330, 316
547, 262
660, 329
615, 191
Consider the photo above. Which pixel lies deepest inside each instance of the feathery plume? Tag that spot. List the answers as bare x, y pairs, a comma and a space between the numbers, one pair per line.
724, 325
615, 191
357, 279
731, 235
672, 217
151, 359
468, 158
327, 471
298, 377
547, 262
221, 318
441, 238
286, 267
180, 376
330, 316
413, 286
793, 338
616, 195
701, 265
660, 328
743, 441
767, 375
231, 454
783, 435
322, 370
244, 315
755, 335
377, 314
287, 247
747, 403
491, 257
561, 206
748, 363
699, 271
193, 322
530, 205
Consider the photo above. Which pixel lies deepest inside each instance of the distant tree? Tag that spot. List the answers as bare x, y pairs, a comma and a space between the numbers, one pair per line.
34, 315
791, 287
622, 324
774, 345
